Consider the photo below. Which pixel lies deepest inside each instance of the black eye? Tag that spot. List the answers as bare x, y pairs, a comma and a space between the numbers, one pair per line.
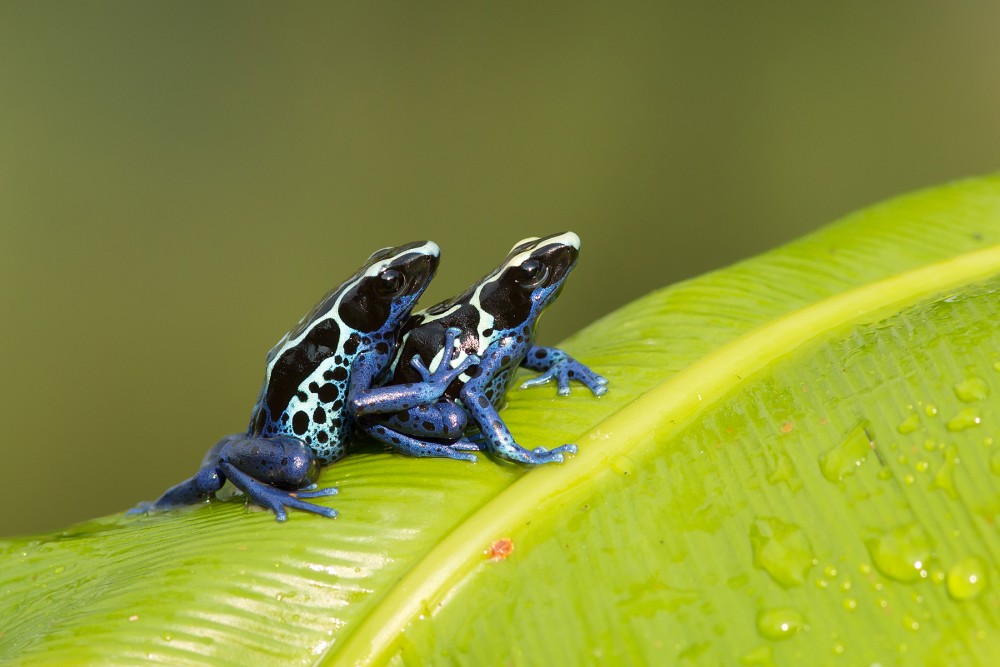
390, 283
532, 273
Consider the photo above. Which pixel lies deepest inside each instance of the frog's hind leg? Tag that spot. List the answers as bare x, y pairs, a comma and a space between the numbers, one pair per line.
444, 420
273, 498
268, 470
206, 481
411, 446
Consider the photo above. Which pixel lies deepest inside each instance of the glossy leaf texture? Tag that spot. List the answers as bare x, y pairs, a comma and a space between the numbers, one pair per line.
798, 462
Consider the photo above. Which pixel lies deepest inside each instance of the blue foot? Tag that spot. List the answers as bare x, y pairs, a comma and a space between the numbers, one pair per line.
273, 498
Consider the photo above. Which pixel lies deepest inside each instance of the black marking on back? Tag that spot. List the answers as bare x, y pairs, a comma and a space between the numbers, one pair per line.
298, 362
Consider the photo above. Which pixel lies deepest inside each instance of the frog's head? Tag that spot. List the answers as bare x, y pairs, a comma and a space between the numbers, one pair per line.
366, 310
385, 289
528, 280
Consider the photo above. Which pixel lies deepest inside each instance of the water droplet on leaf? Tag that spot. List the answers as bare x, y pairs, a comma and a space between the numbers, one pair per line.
901, 554
966, 418
780, 623
845, 457
782, 550
972, 389
966, 579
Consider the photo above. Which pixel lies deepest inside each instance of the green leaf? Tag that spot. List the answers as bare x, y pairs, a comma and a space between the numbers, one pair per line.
795, 464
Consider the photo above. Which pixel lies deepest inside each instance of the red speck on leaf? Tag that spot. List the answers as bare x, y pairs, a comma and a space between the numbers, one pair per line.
500, 549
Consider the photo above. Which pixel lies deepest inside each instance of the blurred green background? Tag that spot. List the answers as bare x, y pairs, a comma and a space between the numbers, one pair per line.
180, 182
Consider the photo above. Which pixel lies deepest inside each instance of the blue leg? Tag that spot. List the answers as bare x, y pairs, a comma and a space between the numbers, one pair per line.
498, 437
257, 467
412, 446
207, 481
273, 498
268, 470
444, 420
554, 364
367, 400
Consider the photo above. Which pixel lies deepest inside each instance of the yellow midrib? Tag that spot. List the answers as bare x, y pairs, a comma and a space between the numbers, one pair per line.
668, 407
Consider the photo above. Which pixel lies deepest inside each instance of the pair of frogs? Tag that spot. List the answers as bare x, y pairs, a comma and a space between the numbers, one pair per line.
360, 362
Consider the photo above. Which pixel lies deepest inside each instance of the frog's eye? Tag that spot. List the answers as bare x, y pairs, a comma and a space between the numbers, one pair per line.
390, 283
531, 273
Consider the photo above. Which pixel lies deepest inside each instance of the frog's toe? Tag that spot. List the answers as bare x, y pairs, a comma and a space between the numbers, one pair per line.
317, 493
600, 389
466, 445
145, 507
280, 500
539, 380
458, 453
418, 365
541, 455
328, 512
555, 455
562, 449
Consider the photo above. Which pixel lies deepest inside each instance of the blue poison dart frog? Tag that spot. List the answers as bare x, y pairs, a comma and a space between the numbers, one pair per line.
337, 353
495, 320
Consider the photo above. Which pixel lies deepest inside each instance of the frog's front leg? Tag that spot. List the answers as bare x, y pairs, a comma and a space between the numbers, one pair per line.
554, 364
495, 433
365, 399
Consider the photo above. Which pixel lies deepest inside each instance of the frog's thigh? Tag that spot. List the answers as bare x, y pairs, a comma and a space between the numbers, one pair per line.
444, 419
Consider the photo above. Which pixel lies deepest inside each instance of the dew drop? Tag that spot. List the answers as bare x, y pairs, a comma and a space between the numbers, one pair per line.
850, 604
842, 459
944, 478
901, 553
782, 550
930, 410
910, 623
966, 418
909, 425
966, 579
972, 389
996, 365
779, 623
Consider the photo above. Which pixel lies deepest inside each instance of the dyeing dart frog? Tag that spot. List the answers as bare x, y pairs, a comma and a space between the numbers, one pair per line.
496, 320
340, 350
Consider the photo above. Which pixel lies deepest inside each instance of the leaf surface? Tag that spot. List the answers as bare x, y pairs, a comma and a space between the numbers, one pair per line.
795, 462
